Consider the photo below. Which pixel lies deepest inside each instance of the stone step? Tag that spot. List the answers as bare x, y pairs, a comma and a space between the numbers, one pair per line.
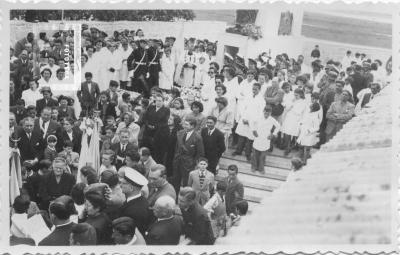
251, 185
245, 168
253, 181
271, 160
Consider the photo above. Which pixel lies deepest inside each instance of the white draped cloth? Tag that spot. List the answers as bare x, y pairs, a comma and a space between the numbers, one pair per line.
90, 154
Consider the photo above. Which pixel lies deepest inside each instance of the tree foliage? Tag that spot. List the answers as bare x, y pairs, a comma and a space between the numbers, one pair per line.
103, 15
246, 16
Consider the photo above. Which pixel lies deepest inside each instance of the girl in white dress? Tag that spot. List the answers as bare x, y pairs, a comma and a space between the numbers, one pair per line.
309, 127
291, 122
166, 77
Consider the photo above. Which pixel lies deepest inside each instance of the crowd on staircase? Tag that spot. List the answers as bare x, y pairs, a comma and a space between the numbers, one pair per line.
131, 156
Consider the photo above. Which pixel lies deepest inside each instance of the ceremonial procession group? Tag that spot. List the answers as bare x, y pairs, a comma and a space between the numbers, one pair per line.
131, 156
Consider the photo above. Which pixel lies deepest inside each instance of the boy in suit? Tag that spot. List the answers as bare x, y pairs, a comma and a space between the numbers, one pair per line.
202, 181
234, 190
89, 93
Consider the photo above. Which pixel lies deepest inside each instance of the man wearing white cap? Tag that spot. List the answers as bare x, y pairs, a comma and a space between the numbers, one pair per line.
136, 206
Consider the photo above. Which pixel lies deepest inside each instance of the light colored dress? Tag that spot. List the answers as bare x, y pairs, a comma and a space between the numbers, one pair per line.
291, 122
309, 129
166, 76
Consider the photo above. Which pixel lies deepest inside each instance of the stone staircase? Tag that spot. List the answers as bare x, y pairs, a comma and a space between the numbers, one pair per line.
256, 185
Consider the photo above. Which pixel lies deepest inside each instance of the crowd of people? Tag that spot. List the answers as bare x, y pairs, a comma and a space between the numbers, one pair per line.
131, 157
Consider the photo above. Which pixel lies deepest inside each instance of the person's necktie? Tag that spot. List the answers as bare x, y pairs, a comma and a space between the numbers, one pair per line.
209, 133
29, 136
123, 148
202, 176
43, 125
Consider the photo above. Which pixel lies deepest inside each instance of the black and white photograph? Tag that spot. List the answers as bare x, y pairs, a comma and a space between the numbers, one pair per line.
264, 125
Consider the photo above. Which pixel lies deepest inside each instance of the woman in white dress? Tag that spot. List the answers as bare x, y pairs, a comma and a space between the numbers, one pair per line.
245, 91
188, 69
113, 66
166, 76
31, 95
291, 122
45, 79
309, 127
208, 93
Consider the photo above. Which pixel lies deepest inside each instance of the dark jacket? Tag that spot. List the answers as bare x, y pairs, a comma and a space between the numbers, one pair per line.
50, 189
102, 224
234, 193
53, 129
76, 140
109, 110
59, 237
197, 225
214, 145
138, 210
116, 147
359, 83
41, 103
30, 148
137, 61
187, 152
88, 98
165, 232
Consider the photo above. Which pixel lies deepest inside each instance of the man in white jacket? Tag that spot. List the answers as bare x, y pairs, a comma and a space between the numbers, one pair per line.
250, 113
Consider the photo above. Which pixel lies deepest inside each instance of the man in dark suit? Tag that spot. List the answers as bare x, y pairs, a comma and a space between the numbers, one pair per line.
158, 184
22, 67
234, 190
60, 211
136, 205
168, 228
189, 148
46, 101
69, 133
214, 143
197, 224
359, 82
45, 125
30, 144
89, 93
123, 147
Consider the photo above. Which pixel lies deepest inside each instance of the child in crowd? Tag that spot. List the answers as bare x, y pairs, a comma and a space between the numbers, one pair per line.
71, 157
50, 152
309, 128
217, 210
107, 158
202, 181
263, 130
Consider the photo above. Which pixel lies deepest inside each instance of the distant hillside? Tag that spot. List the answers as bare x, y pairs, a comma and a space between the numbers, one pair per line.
347, 30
